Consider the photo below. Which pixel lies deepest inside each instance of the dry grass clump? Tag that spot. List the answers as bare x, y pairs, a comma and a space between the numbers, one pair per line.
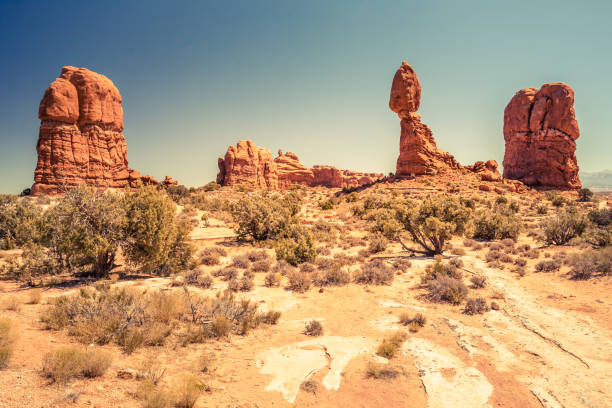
447, 289
272, 279
382, 371
377, 243
8, 337
298, 281
437, 269
271, 317
183, 393
310, 386
226, 274
389, 347
257, 255
68, 362
401, 264
592, 262
34, 296
476, 306
12, 303
478, 281
376, 273
413, 323
313, 328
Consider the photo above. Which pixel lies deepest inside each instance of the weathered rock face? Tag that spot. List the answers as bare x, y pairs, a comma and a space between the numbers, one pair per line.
291, 171
169, 181
253, 166
419, 153
80, 138
540, 130
329, 176
487, 170
249, 165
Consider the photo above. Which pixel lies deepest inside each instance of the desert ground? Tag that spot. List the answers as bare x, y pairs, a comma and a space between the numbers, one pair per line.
542, 338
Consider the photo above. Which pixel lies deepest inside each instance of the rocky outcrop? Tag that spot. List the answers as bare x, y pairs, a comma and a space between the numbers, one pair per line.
486, 170
419, 153
540, 130
249, 165
329, 176
80, 139
169, 181
253, 166
291, 171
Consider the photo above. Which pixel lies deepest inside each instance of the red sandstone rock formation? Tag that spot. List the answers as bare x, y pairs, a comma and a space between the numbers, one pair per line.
418, 151
249, 165
169, 181
291, 171
80, 138
487, 171
540, 130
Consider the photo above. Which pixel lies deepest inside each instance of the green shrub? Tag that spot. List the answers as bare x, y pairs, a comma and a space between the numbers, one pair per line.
496, 225
296, 245
260, 217
567, 224
585, 195
433, 221
20, 222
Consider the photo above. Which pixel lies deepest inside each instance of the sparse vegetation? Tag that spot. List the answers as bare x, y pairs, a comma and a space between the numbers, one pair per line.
65, 363
8, 337
560, 229
447, 289
477, 305
376, 272
313, 328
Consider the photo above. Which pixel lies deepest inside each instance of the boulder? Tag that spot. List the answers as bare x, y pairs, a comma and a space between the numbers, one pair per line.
486, 170
169, 181
540, 131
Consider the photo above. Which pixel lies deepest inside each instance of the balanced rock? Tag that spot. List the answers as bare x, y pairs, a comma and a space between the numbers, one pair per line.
419, 153
540, 131
291, 171
169, 181
248, 164
80, 139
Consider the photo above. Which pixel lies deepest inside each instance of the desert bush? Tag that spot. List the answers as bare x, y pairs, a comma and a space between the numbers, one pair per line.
178, 194
447, 289
585, 195
65, 363
601, 217
257, 255
34, 296
414, 323
36, 261
437, 268
496, 225
567, 224
542, 209
328, 204
313, 328
154, 397
272, 279
479, 281
271, 317
154, 241
334, 276
263, 265
8, 336
376, 272
401, 264
548, 266
298, 281
211, 255
588, 263
20, 223
187, 391
296, 245
233, 285
246, 284
377, 243
241, 261
476, 306
389, 347
433, 221
260, 217
212, 186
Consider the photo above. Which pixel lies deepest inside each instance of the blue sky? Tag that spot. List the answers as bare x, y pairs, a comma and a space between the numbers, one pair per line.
312, 77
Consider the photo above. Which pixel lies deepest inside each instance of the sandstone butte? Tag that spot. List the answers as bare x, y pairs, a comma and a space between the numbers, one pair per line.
540, 131
419, 153
80, 139
253, 166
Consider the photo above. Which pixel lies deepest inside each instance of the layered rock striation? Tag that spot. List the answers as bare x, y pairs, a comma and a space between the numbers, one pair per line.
80, 139
540, 131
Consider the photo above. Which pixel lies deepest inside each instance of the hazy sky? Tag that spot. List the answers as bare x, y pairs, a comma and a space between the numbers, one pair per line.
312, 77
